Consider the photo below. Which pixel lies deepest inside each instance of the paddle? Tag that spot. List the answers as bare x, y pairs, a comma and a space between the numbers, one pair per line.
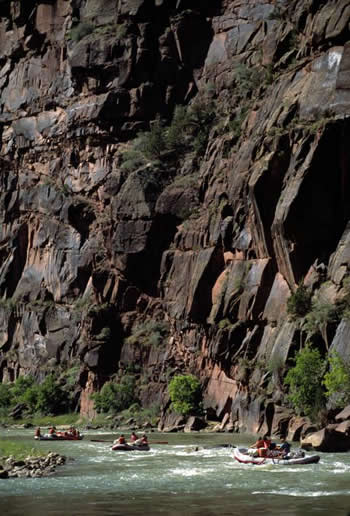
104, 441
100, 441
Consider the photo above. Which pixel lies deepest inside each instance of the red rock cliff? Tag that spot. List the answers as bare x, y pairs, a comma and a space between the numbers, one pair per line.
192, 257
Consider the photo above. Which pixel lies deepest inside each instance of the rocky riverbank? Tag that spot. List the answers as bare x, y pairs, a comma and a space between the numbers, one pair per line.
11, 467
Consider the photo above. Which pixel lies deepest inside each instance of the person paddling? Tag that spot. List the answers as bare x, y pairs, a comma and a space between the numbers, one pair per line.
264, 451
143, 441
121, 440
284, 448
133, 437
259, 443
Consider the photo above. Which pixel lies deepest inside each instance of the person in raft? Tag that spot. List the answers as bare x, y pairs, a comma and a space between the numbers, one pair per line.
133, 437
258, 444
37, 432
121, 440
264, 451
284, 447
142, 441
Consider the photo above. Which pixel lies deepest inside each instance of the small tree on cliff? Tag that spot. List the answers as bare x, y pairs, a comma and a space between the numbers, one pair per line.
185, 394
305, 382
299, 303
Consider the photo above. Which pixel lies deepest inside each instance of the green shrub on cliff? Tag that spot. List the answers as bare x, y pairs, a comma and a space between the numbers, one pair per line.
185, 394
149, 333
320, 316
115, 397
80, 31
337, 381
177, 137
248, 79
147, 147
299, 303
187, 132
305, 382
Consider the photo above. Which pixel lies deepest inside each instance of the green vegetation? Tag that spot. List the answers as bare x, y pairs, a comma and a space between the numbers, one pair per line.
105, 334
149, 333
8, 304
49, 397
337, 381
248, 79
320, 316
80, 31
116, 30
188, 131
116, 397
305, 382
225, 324
119, 30
18, 450
185, 394
299, 303
142, 415
235, 125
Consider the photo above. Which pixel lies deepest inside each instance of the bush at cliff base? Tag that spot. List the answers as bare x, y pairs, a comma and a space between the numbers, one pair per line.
185, 394
115, 397
305, 382
337, 381
49, 397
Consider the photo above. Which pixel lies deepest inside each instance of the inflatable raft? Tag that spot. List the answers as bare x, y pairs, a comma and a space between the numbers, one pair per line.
130, 447
243, 456
58, 437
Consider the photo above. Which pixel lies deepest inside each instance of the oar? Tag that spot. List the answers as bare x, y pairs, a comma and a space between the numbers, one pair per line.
211, 447
104, 441
100, 441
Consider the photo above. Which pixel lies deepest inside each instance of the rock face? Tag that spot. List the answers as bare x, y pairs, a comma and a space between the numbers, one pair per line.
333, 438
96, 260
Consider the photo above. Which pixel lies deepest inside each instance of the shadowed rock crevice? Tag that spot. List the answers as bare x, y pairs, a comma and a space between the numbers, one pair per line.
202, 295
101, 351
267, 190
81, 216
143, 269
11, 329
17, 265
316, 219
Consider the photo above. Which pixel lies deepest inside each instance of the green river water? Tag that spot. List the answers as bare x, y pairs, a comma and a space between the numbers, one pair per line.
173, 479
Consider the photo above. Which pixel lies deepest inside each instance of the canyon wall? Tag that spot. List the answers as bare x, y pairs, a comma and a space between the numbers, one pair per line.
186, 264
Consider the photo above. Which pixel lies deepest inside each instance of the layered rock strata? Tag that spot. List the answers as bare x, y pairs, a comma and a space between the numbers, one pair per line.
211, 245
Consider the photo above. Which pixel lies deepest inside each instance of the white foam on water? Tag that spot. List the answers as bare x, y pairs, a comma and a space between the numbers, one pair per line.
192, 472
301, 493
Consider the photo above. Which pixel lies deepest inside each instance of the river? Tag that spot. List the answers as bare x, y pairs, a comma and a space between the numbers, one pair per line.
173, 479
